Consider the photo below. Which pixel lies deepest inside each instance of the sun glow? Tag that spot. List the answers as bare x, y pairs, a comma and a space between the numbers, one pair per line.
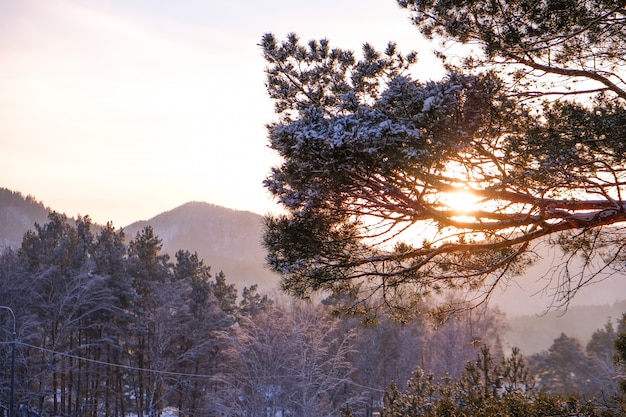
461, 201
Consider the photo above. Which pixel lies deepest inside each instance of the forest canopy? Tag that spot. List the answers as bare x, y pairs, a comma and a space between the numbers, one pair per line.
527, 130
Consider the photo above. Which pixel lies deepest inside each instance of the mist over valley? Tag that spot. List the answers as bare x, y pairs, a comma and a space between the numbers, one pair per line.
229, 241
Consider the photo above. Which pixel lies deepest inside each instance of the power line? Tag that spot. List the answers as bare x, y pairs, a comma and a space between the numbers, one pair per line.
114, 365
155, 371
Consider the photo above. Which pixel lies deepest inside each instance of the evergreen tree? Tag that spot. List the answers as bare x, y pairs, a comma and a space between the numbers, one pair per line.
620, 357
253, 303
226, 294
150, 272
110, 258
564, 368
600, 352
529, 120
486, 388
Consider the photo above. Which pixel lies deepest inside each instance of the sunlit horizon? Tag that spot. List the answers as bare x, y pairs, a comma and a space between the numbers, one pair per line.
122, 111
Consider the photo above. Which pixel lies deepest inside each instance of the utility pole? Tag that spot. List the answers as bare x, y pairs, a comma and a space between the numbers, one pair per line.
12, 401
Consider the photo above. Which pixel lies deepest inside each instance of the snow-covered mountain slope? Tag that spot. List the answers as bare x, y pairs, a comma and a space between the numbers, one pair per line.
227, 240
18, 214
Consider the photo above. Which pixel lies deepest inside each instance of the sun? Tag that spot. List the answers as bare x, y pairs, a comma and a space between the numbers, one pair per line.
460, 201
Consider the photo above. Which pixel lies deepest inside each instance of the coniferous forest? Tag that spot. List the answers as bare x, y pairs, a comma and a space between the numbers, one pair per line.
404, 204
109, 325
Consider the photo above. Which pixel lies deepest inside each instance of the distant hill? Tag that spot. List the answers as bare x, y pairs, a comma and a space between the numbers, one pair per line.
230, 241
18, 214
536, 318
533, 292
227, 240
535, 333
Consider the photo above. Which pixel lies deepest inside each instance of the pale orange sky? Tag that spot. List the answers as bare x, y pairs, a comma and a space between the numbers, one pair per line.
124, 109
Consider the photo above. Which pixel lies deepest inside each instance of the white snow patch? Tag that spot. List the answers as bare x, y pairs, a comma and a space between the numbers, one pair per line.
428, 104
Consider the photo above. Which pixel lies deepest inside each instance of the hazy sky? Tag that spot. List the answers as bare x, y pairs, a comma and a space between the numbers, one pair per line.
122, 109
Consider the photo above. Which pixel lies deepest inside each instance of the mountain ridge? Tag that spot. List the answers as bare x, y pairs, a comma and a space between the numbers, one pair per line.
18, 214
227, 240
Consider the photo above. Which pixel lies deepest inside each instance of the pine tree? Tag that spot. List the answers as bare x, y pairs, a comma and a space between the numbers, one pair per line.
529, 120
